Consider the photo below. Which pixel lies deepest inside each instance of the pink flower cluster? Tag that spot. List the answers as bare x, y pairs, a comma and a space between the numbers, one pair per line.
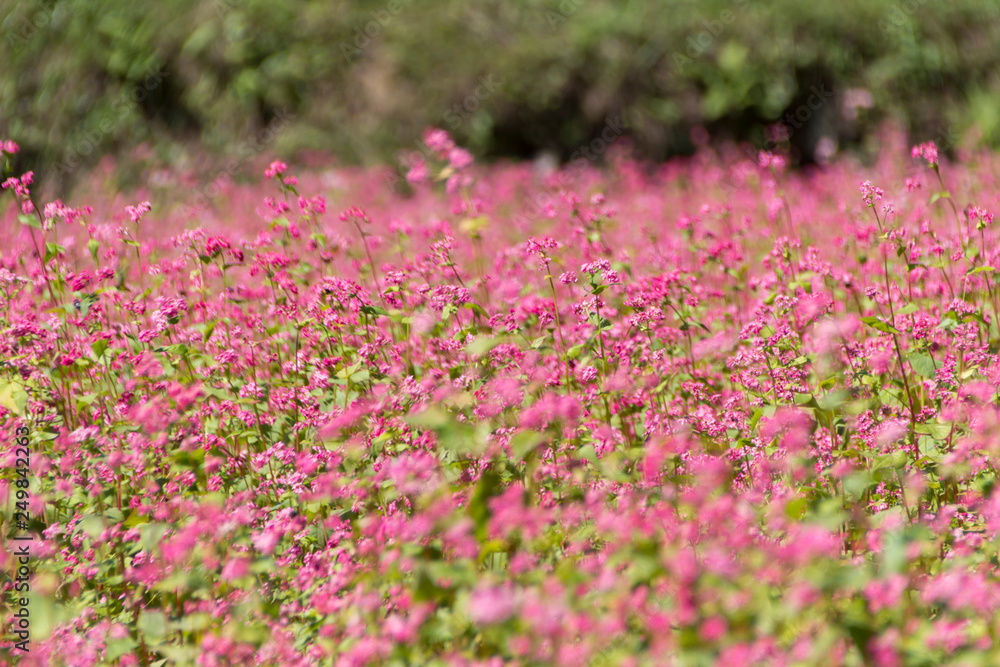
746, 425
456, 159
927, 151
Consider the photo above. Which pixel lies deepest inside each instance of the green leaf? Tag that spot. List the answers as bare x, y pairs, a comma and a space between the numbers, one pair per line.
263, 566
85, 399
195, 622
474, 225
476, 308
879, 325
153, 624
587, 453
53, 250
134, 519
935, 430
93, 525
43, 615
179, 655
808, 400
116, 648
940, 195
796, 509
28, 220
85, 303
150, 535
489, 485
523, 443
92, 246
14, 398
923, 364
482, 345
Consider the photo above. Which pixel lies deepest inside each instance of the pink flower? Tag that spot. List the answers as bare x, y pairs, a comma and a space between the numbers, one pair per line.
277, 168
235, 568
489, 605
976, 214
885, 594
135, 213
870, 194
20, 186
539, 246
355, 214
459, 158
80, 281
54, 209
315, 205
767, 159
568, 278
456, 182
928, 151
600, 266
400, 629
713, 629
216, 244
418, 173
438, 141
266, 540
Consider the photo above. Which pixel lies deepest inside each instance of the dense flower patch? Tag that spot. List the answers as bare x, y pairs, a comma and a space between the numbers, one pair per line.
713, 414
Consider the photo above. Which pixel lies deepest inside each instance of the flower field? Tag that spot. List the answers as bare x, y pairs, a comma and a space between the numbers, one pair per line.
714, 412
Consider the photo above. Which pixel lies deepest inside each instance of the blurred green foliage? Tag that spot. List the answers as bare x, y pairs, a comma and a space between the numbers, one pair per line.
364, 78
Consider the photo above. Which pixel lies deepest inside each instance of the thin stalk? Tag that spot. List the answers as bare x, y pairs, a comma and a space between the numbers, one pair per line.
895, 340
562, 341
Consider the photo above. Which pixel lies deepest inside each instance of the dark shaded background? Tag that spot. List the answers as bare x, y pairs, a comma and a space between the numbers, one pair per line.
192, 82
